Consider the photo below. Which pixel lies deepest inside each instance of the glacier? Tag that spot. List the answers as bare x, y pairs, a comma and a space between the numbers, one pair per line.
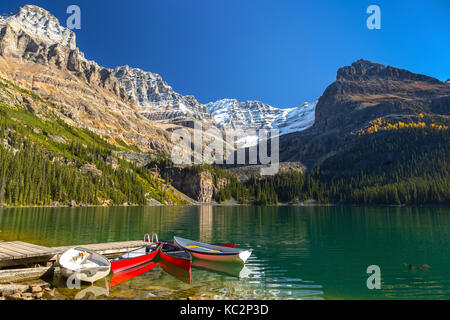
230, 114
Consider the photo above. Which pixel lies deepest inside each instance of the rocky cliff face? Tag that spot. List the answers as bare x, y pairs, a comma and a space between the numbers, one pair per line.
361, 93
200, 186
367, 90
37, 53
33, 35
41, 23
158, 101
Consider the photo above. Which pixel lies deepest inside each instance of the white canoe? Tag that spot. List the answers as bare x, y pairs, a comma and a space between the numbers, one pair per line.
88, 266
214, 253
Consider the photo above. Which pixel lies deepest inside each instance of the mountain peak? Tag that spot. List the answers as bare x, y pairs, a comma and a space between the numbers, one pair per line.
35, 10
158, 101
361, 70
39, 22
358, 69
367, 63
230, 113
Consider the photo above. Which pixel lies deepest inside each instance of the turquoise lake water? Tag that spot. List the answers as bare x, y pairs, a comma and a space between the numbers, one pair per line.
299, 252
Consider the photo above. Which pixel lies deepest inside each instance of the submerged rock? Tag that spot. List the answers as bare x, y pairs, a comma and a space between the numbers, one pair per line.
36, 289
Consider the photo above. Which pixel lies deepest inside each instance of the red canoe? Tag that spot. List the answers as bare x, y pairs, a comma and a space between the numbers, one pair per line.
175, 256
181, 274
135, 258
121, 277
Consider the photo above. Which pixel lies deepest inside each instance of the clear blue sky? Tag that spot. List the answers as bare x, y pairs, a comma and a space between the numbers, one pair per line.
280, 52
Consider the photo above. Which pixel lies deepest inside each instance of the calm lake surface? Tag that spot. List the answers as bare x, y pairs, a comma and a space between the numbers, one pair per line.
299, 252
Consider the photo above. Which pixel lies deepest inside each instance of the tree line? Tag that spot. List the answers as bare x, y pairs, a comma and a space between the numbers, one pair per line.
408, 167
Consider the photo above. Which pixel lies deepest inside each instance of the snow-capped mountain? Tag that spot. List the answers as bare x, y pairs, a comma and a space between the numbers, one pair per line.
232, 114
159, 102
36, 35
41, 23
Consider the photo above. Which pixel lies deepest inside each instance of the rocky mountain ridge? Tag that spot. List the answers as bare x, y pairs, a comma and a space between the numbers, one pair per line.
364, 92
86, 94
158, 101
38, 53
40, 22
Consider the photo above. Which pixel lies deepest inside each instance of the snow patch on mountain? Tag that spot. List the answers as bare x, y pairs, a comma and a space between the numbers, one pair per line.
242, 116
158, 101
41, 23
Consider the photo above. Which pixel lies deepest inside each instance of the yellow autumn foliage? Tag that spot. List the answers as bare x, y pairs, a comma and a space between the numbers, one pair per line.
380, 125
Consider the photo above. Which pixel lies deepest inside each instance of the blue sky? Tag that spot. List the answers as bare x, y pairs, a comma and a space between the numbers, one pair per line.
280, 52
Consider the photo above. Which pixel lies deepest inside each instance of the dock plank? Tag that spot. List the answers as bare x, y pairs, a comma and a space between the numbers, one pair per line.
10, 252
31, 245
107, 245
13, 247
32, 248
4, 256
22, 245
18, 252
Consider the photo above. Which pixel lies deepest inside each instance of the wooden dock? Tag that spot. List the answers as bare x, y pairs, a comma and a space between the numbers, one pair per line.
107, 248
13, 253
18, 252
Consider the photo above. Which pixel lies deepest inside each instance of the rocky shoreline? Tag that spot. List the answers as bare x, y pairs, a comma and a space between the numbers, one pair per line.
35, 291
